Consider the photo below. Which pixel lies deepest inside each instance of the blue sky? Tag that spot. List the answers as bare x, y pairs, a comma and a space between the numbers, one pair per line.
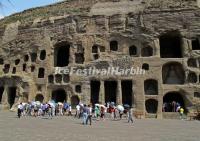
20, 5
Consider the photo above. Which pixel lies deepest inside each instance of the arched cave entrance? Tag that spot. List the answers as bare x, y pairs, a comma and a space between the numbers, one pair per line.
59, 95
39, 97
171, 101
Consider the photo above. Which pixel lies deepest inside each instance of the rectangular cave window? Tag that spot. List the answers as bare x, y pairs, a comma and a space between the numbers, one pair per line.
195, 44
94, 49
61, 54
14, 70
78, 88
113, 45
24, 67
197, 94
51, 79
79, 58
170, 45
41, 73
1, 61
33, 57
102, 49
66, 78
6, 68
32, 68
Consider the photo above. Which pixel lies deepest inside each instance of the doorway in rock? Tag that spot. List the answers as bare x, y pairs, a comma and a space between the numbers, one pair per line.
94, 91
110, 91
61, 55
74, 101
11, 95
39, 97
151, 106
1, 93
171, 101
59, 95
127, 92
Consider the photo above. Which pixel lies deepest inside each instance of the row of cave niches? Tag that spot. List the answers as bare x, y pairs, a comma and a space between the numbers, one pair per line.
170, 47
32, 57
58, 79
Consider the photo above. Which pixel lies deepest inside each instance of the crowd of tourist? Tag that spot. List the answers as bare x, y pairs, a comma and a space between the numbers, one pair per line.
82, 111
173, 107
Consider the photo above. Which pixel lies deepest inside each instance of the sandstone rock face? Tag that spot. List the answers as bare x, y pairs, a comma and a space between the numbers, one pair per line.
158, 38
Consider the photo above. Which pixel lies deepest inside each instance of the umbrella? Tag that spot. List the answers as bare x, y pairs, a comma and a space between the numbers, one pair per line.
60, 103
38, 103
52, 103
126, 106
98, 105
112, 103
81, 104
102, 106
120, 108
24, 104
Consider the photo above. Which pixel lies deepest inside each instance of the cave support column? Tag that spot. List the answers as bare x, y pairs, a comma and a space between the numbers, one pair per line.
119, 93
102, 93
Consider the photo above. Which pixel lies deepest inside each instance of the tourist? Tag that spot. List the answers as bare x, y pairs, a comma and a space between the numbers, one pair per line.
85, 114
69, 110
43, 109
130, 114
77, 111
35, 110
181, 111
97, 112
65, 107
19, 110
102, 112
50, 111
89, 118
120, 114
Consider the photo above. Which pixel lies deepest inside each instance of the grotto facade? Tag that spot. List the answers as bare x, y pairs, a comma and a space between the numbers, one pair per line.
160, 36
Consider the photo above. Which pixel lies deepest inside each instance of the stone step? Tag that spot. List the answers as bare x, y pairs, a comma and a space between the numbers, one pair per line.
171, 115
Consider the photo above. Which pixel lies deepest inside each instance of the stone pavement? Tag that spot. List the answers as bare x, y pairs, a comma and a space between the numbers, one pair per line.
70, 129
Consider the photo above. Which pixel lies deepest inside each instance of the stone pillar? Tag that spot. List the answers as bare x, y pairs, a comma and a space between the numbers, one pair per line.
4, 99
133, 96
102, 93
47, 96
119, 93
160, 103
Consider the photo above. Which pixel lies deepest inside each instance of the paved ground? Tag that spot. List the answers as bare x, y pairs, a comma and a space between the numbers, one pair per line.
68, 128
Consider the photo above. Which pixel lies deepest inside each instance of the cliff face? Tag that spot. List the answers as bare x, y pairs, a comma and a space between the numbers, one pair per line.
140, 31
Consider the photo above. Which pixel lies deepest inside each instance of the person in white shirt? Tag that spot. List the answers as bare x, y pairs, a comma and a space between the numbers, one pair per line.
77, 111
